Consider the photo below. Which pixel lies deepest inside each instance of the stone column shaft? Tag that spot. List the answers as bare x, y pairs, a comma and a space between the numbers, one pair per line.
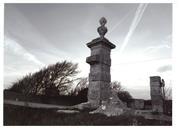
99, 76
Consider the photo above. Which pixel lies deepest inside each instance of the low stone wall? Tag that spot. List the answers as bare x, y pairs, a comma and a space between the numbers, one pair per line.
139, 104
147, 105
136, 103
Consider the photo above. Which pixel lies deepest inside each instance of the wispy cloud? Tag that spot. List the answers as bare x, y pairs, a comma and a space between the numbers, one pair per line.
19, 50
156, 48
164, 44
136, 20
164, 68
120, 21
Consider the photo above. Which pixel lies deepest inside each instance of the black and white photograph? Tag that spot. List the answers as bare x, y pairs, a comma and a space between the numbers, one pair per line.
88, 64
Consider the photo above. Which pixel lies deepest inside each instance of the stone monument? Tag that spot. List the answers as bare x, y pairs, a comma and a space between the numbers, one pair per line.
100, 62
156, 94
101, 98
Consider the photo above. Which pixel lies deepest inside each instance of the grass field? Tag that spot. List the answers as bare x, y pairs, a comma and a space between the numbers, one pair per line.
16, 115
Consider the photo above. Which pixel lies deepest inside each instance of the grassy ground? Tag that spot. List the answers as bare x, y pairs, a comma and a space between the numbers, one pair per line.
16, 115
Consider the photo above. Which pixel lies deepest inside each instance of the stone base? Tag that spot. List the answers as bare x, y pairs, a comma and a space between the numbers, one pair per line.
108, 110
112, 107
85, 106
98, 91
67, 111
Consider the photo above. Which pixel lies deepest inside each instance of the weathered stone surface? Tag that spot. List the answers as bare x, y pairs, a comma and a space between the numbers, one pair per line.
100, 41
68, 111
156, 94
115, 101
99, 77
93, 59
102, 59
138, 104
100, 67
99, 90
112, 107
102, 30
109, 110
100, 49
85, 106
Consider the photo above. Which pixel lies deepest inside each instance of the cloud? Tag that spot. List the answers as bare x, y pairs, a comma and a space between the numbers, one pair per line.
140, 93
18, 61
17, 49
164, 44
52, 40
152, 49
136, 20
120, 21
164, 68
167, 40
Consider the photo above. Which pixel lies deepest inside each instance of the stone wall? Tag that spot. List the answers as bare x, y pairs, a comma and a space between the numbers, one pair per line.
138, 104
156, 94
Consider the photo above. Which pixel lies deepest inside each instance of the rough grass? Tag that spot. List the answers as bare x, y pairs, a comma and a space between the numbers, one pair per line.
16, 115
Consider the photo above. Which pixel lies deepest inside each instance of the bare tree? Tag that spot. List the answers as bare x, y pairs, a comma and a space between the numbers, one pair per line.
59, 76
116, 86
122, 93
168, 93
80, 84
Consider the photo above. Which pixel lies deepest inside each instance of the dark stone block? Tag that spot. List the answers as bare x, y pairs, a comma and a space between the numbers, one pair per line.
93, 59
103, 41
98, 59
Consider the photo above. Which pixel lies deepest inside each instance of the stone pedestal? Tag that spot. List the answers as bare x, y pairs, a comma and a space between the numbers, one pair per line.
156, 94
99, 77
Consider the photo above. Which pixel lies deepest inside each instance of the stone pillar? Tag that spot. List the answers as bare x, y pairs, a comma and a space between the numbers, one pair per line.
156, 94
100, 62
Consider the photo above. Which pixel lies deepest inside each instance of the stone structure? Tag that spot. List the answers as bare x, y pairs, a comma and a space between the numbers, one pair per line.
137, 104
156, 94
100, 62
100, 95
101, 98
112, 106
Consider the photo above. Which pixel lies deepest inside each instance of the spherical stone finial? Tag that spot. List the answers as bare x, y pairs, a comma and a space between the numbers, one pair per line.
103, 21
102, 30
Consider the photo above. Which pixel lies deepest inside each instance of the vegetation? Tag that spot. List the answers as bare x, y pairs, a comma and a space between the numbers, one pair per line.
82, 84
15, 115
53, 80
81, 89
58, 84
168, 93
122, 93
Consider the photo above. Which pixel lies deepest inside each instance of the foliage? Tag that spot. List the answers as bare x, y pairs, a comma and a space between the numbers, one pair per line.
82, 89
122, 94
50, 80
82, 84
168, 93
116, 86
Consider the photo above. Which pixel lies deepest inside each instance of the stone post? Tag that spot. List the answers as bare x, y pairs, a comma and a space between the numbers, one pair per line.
156, 94
100, 62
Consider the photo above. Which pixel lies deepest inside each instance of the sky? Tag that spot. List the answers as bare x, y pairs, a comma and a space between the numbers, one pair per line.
37, 35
